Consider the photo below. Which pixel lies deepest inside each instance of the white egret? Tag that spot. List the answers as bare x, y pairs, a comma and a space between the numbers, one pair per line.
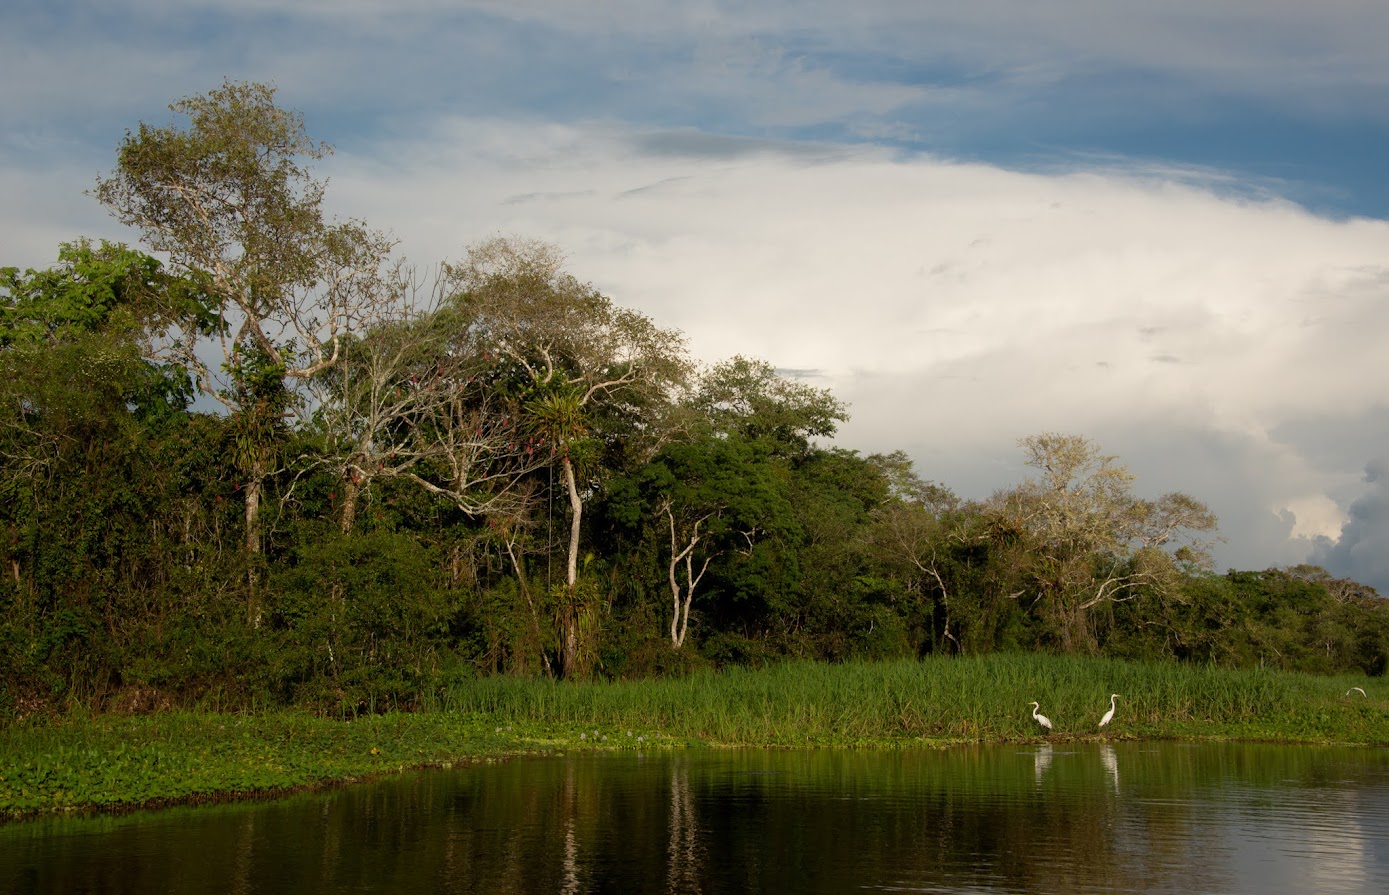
1041, 719
1357, 689
1109, 715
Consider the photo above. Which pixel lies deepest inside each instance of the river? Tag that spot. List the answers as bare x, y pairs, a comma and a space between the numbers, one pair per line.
1127, 817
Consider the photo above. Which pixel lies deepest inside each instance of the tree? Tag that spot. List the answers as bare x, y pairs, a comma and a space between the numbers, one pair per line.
587, 376
917, 533
704, 498
413, 397
229, 198
1089, 540
84, 415
71, 340
748, 397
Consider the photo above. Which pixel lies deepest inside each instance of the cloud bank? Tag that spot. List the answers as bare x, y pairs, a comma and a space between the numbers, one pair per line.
1209, 339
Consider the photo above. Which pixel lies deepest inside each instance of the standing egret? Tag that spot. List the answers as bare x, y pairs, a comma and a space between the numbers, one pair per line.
1041, 719
1109, 715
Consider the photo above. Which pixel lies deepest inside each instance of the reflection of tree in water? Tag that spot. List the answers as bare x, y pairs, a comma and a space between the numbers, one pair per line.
571, 845
686, 858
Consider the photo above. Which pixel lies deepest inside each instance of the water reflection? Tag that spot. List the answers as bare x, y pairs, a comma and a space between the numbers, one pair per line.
1111, 764
1225, 818
1041, 762
685, 854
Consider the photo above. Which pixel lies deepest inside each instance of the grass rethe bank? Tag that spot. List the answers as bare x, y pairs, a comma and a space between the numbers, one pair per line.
119, 762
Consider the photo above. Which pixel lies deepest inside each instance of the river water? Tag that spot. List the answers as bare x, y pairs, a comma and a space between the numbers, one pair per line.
1131, 817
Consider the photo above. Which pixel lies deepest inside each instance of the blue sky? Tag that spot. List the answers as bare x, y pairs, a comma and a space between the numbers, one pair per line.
1165, 226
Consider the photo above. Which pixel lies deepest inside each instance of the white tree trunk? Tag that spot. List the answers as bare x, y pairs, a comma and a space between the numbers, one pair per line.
680, 602
576, 506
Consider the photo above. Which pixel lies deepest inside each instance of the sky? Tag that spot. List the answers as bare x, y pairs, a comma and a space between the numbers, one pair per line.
1163, 226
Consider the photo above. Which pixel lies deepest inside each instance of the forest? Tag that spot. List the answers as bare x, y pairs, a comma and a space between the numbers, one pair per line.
260, 461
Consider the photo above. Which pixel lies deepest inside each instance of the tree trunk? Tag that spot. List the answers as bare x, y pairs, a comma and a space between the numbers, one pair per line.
569, 622
576, 507
569, 640
253, 493
349, 502
253, 489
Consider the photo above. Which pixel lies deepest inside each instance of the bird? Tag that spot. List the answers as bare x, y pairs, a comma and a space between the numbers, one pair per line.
1357, 689
1041, 719
1109, 715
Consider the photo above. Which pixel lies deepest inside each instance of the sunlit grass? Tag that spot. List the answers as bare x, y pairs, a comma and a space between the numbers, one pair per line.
973, 699
116, 761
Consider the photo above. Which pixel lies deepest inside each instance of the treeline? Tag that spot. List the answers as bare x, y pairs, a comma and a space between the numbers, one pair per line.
279, 467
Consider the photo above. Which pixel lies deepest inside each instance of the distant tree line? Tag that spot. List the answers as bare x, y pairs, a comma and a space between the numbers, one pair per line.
280, 467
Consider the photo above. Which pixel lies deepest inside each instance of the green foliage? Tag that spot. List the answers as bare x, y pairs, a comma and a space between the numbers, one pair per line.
749, 398
360, 622
1276, 618
109, 287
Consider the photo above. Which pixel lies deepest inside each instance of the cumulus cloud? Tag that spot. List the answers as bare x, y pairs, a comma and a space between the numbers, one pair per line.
1361, 551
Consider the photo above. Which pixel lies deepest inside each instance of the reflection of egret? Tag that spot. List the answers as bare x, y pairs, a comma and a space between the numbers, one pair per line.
1356, 689
1041, 719
1111, 764
1109, 715
1041, 760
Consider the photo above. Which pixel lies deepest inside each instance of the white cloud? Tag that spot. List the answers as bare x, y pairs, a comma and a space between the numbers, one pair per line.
1361, 549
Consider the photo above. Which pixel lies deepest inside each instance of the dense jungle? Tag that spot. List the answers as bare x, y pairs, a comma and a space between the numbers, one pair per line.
259, 461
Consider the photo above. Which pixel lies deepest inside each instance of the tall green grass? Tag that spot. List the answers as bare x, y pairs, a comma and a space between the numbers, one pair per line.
948, 699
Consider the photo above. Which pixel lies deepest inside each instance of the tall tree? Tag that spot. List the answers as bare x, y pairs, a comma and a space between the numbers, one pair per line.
229, 197
917, 533
414, 397
749, 397
589, 376
703, 498
79, 400
1089, 539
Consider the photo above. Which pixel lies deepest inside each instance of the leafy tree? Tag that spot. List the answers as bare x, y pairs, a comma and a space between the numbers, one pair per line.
229, 198
85, 417
748, 397
834, 493
704, 499
922, 534
71, 363
1089, 540
583, 373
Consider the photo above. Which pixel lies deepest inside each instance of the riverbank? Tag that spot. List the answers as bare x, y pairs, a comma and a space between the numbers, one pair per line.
117, 763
